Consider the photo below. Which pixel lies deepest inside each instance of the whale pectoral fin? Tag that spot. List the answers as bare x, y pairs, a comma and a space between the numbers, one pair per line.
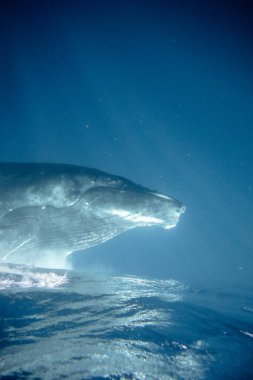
18, 230
17, 248
13, 240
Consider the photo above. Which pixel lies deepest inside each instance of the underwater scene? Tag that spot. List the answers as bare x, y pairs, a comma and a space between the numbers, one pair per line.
126, 190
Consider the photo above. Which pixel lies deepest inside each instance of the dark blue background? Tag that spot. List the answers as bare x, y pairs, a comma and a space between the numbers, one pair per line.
158, 92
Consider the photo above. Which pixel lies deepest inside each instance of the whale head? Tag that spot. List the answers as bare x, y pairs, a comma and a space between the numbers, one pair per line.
133, 207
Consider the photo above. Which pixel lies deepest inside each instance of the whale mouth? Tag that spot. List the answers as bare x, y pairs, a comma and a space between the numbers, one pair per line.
136, 217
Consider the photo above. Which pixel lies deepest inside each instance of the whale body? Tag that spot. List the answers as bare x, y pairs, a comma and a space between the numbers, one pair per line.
48, 211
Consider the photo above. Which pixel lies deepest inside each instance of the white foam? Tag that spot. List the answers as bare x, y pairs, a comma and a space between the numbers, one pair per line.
18, 277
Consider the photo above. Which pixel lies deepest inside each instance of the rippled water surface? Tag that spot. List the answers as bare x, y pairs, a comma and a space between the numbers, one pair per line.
57, 324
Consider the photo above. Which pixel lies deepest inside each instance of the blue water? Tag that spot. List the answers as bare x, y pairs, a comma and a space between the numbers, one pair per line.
73, 325
159, 92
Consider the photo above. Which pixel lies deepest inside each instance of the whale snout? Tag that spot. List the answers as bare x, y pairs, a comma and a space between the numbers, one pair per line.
166, 209
174, 210
183, 209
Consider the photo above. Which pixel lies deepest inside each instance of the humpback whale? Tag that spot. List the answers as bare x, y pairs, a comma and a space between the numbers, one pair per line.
48, 211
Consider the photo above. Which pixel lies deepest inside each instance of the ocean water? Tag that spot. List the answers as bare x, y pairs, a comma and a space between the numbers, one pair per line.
159, 92
74, 325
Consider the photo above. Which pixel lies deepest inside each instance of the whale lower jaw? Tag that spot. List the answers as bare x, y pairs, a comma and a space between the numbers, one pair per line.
168, 226
136, 218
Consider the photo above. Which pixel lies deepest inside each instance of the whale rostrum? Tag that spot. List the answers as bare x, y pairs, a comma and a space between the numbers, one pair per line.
48, 211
